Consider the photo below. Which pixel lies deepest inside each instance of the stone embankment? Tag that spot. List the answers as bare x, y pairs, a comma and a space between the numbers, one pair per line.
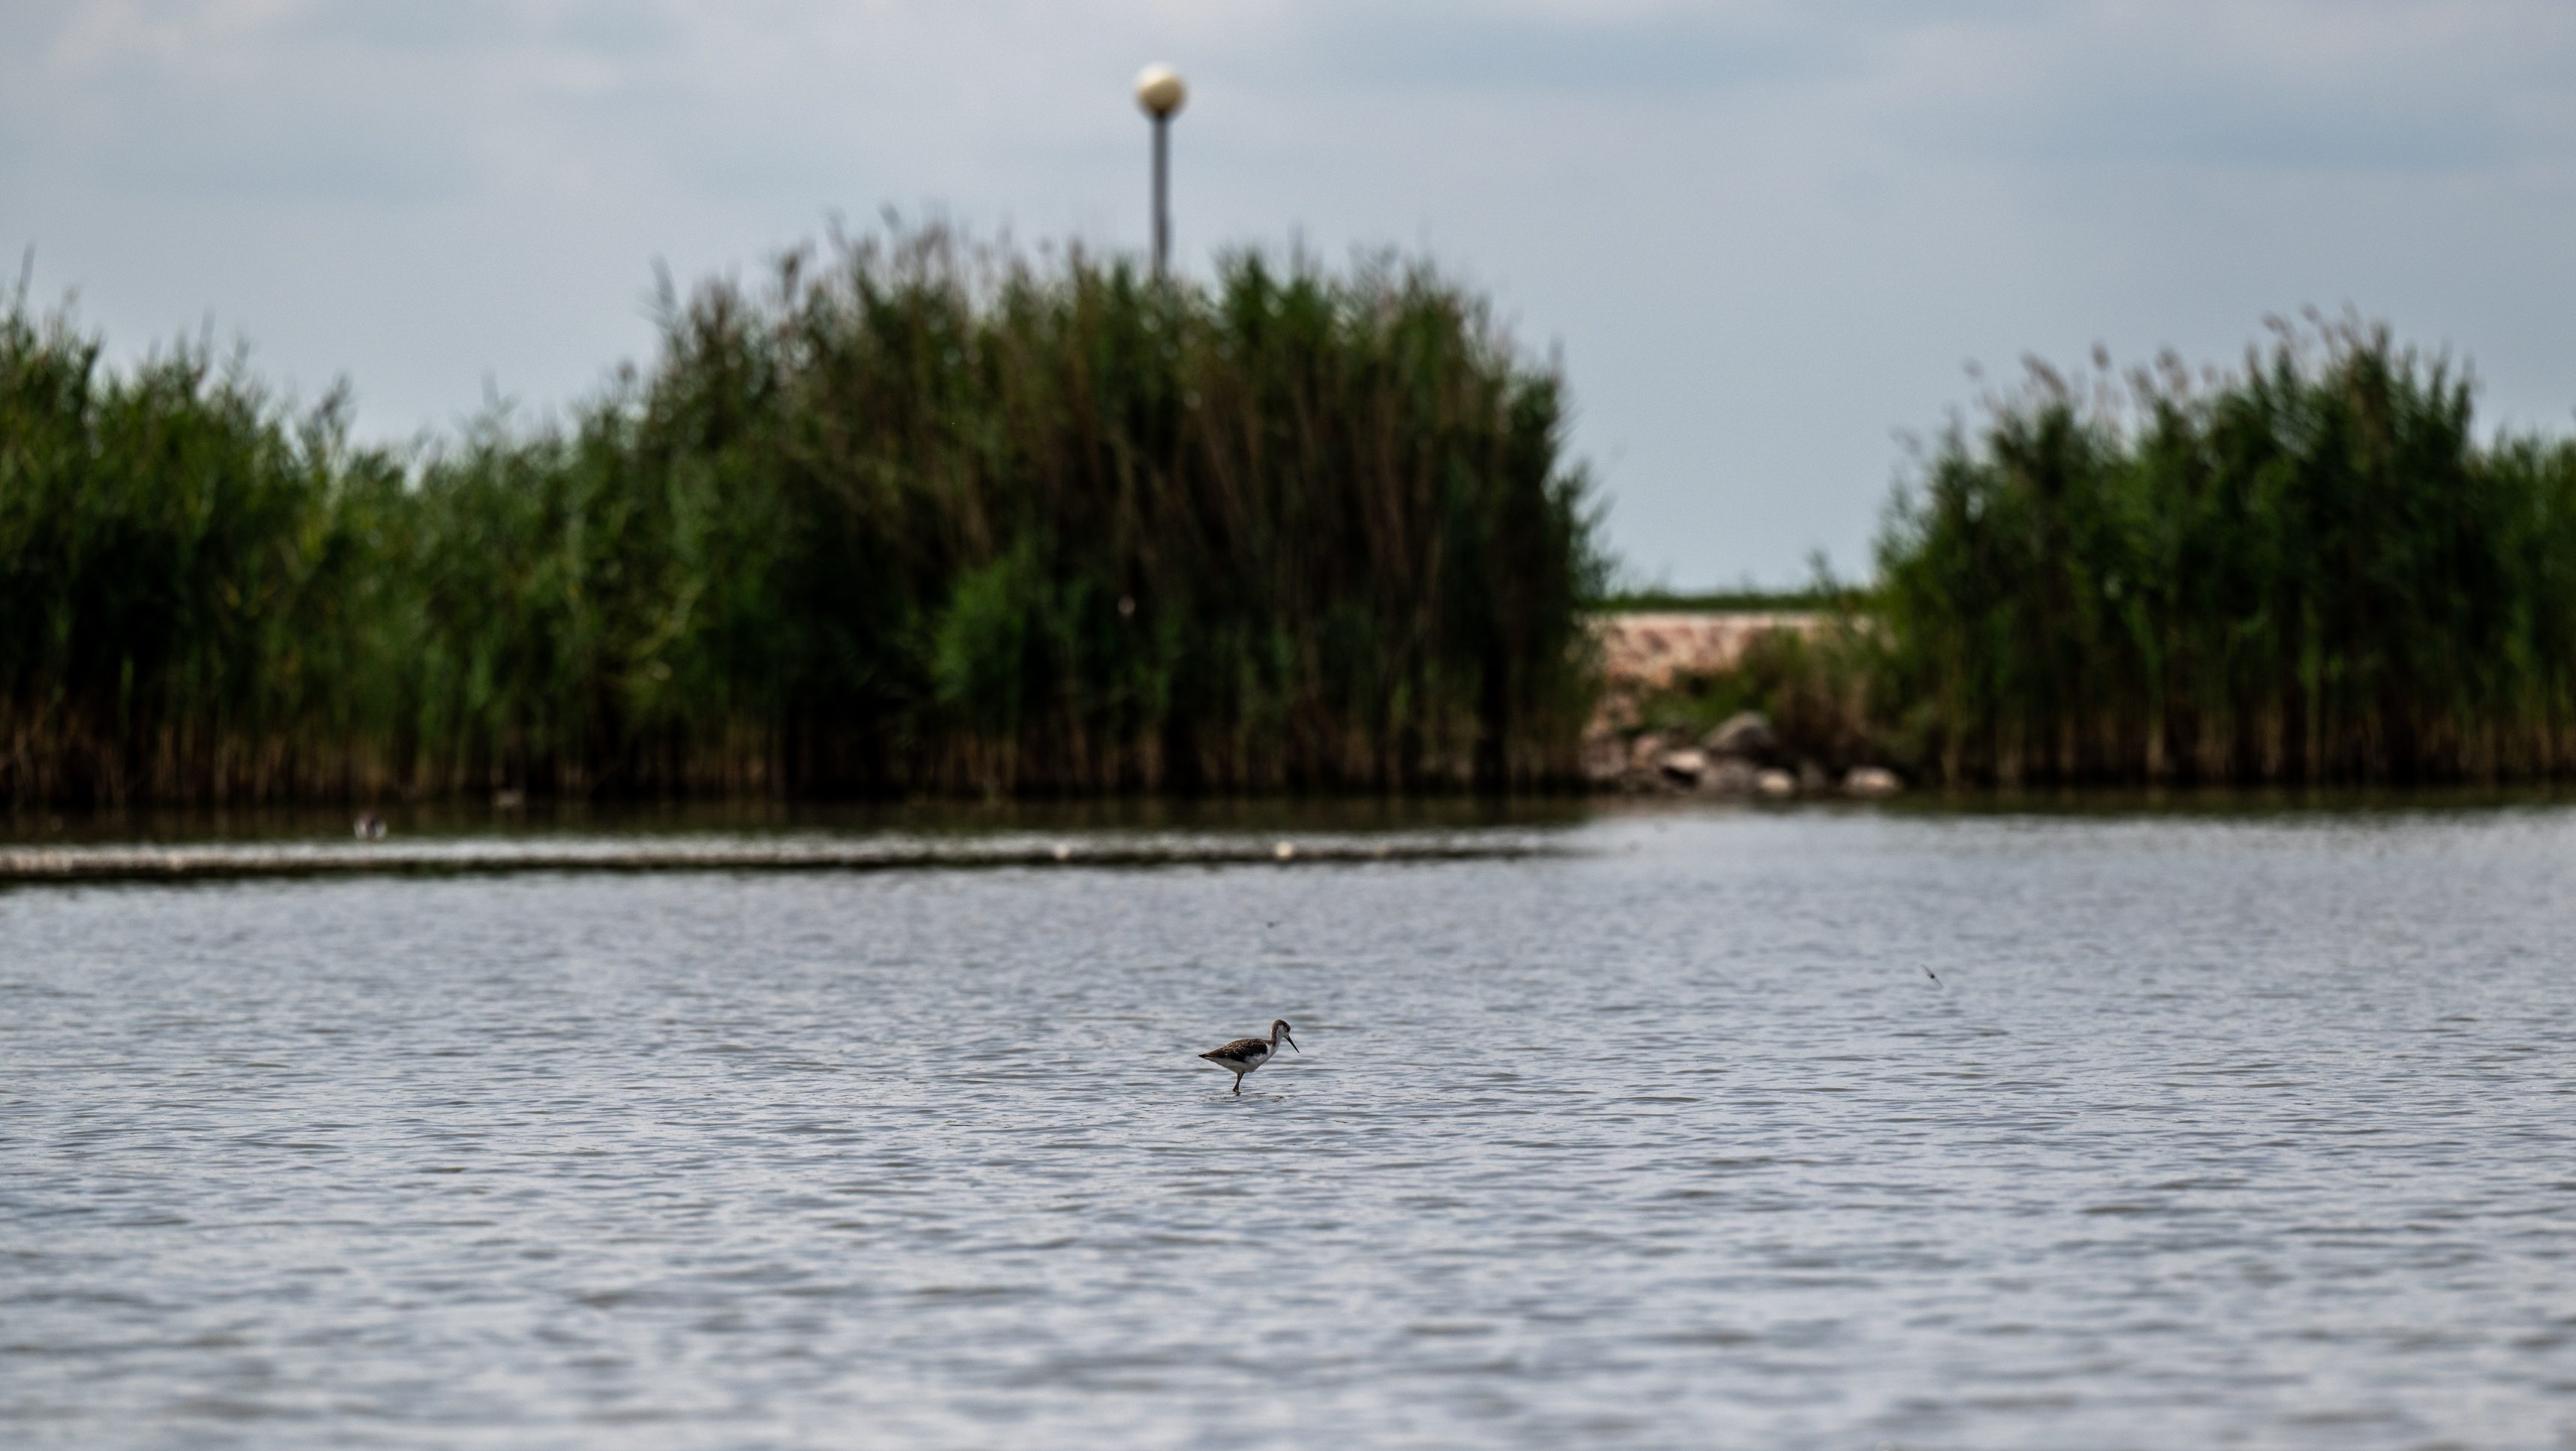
1643, 654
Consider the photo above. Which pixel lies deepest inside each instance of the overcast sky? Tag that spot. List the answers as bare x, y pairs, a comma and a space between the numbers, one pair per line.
1765, 236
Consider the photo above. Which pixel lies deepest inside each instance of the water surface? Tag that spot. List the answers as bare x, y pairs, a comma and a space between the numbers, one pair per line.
2213, 1131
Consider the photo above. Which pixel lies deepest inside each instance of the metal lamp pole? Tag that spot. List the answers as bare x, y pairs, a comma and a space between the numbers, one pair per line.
1160, 91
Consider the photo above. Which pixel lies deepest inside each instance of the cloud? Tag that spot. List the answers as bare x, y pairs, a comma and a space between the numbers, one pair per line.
1766, 232
2293, 86
1560, 50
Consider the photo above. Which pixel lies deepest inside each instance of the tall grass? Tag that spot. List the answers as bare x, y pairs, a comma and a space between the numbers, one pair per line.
913, 516
2309, 571
184, 575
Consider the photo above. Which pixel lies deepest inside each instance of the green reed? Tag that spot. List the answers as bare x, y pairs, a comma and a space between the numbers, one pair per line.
914, 516
2309, 571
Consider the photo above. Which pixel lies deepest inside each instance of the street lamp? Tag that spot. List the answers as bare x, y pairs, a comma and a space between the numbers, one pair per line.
1160, 92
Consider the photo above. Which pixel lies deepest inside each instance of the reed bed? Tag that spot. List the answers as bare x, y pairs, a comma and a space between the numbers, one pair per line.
918, 516
915, 516
2310, 570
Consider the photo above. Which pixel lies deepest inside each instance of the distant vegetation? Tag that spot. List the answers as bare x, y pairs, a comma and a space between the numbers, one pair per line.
917, 517
914, 517
2308, 570
2312, 570
1748, 600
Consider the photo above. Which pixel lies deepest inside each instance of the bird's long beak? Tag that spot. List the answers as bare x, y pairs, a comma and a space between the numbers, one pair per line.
1292, 1042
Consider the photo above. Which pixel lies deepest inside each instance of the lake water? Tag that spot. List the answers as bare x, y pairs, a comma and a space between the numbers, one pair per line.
2214, 1130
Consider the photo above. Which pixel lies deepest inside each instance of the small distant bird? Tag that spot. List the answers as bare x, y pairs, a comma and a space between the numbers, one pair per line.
371, 827
1245, 1054
1927, 972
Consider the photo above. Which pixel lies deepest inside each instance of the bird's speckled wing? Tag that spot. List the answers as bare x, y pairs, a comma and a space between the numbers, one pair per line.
1241, 1049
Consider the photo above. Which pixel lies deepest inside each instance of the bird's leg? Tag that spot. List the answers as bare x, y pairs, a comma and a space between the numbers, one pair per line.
1238, 1085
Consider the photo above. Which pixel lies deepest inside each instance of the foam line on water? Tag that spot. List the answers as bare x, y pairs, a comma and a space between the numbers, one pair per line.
307, 859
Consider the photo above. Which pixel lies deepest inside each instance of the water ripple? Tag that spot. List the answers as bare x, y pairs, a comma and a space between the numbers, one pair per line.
2211, 1132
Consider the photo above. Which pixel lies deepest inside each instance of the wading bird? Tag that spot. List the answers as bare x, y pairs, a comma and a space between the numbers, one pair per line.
1245, 1054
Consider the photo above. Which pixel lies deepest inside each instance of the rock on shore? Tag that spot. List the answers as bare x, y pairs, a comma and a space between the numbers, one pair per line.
1744, 757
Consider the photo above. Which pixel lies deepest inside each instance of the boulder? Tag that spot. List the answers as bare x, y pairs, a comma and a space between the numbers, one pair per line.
1616, 715
1649, 782
1728, 776
1603, 760
1684, 767
1778, 785
1746, 735
1646, 753
1871, 782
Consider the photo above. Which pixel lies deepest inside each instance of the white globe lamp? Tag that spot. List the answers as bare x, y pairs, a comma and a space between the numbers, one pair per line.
1160, 90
